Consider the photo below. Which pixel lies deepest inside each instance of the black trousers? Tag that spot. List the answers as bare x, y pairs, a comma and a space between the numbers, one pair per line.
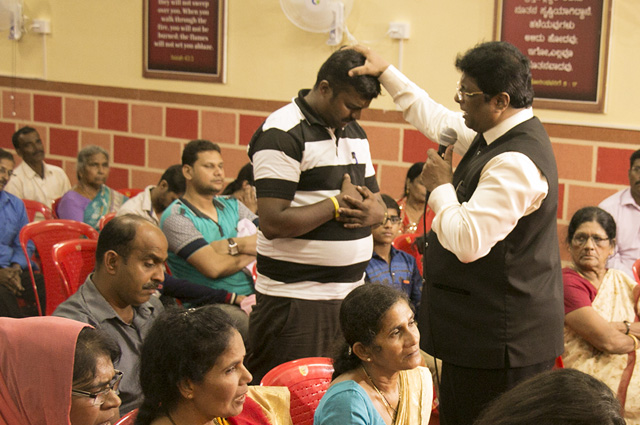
284, 329
465, 392
9, 305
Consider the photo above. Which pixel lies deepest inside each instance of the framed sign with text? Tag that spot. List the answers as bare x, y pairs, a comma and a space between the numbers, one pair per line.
185, 39
567, 42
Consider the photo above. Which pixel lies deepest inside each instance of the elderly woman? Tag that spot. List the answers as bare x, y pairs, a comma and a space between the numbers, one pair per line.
412, 203
91, 198
56, 371
377, 378
191, 373
601, 329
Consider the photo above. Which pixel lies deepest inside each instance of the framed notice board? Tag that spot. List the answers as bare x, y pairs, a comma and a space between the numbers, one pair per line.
185, 39
567, 42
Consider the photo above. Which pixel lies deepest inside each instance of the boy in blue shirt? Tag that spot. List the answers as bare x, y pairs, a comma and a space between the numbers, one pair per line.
390, 266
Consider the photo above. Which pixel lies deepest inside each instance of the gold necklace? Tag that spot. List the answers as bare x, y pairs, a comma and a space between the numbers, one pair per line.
217, 421
384, 399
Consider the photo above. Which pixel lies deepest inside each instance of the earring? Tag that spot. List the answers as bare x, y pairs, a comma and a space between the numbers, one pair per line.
368, 359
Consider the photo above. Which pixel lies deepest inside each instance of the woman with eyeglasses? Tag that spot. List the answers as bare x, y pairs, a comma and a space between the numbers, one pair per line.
56, 371
601, 322
192, 373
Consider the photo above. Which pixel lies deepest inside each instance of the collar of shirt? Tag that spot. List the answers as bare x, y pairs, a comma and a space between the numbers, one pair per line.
518, 118
627, 200
146, 203
219, 206
102, 310
30, 172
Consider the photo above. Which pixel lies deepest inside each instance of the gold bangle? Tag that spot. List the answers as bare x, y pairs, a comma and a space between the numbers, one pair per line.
635, 342
336, 206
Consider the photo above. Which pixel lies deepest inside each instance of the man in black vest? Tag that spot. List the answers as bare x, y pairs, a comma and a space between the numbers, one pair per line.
492, 306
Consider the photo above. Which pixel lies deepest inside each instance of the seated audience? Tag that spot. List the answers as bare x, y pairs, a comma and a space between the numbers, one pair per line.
555, 397
412, 202
118, 297
192, 373
56, 371
243, 188
624, 206
15, 281
601, 329
35, 179
389, 266
377, 378
202, 230
153, 200
91, 198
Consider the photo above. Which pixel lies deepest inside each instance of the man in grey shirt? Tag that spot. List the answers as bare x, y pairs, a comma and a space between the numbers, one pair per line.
118, 297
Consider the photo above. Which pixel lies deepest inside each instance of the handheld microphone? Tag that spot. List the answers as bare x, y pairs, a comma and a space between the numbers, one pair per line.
448, 136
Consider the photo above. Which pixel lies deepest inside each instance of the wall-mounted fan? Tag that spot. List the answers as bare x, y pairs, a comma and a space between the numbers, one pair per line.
324, 16
11, 18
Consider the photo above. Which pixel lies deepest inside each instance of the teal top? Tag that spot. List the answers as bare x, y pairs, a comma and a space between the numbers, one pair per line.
187, 230
346, 403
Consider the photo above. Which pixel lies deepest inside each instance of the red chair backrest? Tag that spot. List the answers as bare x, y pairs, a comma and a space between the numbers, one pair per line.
34, 207
129, 192
307, 380
54, 207
105, 219
44, 235
74, 259
636, 270
128, 419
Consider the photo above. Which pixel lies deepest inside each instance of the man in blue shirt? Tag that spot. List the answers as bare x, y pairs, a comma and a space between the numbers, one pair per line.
15, 282
389, 266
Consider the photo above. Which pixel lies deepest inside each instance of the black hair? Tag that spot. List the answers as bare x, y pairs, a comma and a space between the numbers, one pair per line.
390, 202
181, 344
175, 179
91, 345
556, 397
412, 173
194, 147
6, 155
15, 139
498, 66
336, 68
118, 235
634, 156
587, 214
361, 315
244, 175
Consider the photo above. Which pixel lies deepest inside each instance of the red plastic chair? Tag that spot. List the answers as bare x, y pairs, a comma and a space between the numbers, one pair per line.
44, 235
74, 259
34, 207
636, 270
307, 380
129, 192
105, 219
54, 207
406, 243
128, 419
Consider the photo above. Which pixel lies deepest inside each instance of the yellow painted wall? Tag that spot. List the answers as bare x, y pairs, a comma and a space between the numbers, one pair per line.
99, 42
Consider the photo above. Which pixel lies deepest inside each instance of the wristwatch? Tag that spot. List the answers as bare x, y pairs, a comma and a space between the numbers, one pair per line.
233, 247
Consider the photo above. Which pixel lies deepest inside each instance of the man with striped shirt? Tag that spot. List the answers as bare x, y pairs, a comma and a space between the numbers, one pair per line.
317, 197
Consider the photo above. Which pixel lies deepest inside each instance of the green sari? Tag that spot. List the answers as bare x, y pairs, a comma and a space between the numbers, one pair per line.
107, 200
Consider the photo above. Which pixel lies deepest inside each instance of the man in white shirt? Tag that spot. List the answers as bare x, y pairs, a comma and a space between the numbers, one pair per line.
624, 206
153, 200
492, 304
35, 179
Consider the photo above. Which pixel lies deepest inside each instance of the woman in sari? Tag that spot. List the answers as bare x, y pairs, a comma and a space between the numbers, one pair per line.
377, 378
412, 204
191, 373
91, 198
56, 371
601, 329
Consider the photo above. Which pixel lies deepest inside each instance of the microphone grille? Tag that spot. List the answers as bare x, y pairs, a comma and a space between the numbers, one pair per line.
448, 136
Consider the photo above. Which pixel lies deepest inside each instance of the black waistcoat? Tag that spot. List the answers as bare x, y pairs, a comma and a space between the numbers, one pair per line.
506, 308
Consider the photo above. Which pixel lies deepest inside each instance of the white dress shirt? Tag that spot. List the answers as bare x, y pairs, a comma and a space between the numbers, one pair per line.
141, 205
25, 183
510, 185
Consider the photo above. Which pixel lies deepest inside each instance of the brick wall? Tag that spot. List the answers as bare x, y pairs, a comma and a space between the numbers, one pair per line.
145, 131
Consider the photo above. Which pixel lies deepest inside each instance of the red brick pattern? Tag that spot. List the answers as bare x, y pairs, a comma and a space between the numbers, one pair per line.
163, 154
613, 165
146, 119
63, 142
80, 112
416, 145
47, 109
383, 142
129, 150
16, 105
182, 123
248, 125
113, 116
6, 131
118, 178
219, 127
